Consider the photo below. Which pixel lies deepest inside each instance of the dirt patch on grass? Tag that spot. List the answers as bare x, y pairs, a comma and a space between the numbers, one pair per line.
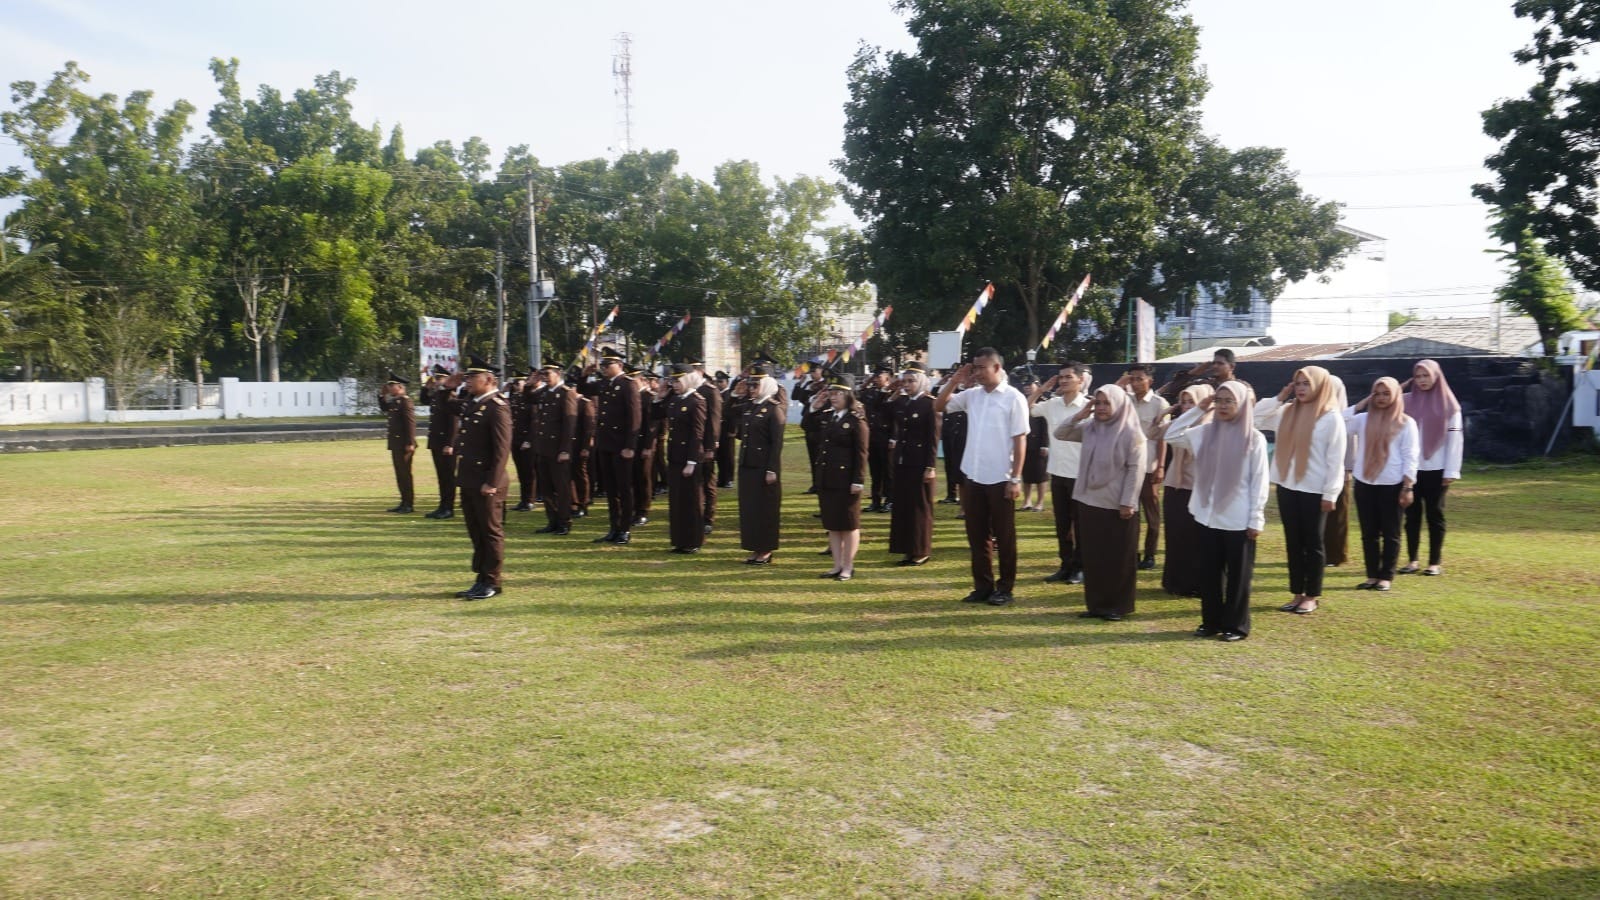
612, 841
1194, 761
985, 720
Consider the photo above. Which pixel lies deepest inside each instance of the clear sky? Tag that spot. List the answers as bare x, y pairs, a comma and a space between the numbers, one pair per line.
1376, 101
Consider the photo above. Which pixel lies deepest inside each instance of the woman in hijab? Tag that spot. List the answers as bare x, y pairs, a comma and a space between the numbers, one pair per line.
1106, 496
1229, 503
913, 454
841, 471
1386, 458
1180, 573
761, 422
1308, 468
1433, 406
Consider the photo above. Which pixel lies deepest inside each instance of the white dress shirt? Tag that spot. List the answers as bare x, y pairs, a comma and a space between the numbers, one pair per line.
1404, 449
994, 418
1247, 508
1149, 409
1063, 454
1448, 456
1324, 463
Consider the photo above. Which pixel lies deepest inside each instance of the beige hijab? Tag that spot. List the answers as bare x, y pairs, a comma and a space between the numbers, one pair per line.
1299, 422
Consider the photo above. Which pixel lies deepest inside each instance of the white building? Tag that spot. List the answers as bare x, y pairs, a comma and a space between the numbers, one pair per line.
1349, 307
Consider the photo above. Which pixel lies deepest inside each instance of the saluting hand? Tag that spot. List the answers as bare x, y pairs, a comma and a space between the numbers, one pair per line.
627, 454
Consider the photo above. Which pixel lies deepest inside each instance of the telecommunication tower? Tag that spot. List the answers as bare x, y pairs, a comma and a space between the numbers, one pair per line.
622, 74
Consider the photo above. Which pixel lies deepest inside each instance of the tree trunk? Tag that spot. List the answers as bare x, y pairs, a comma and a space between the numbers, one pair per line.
272, 358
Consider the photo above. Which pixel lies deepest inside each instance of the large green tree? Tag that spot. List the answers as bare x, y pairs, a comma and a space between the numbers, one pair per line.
1548, 165
1539, 289
41, 324
1031, 142
109, 194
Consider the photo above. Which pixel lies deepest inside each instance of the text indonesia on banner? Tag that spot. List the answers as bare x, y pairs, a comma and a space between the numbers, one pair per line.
439, 344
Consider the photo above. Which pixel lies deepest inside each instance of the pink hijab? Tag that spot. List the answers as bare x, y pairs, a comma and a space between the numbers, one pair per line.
1432, 409
1106, 445
1220, 462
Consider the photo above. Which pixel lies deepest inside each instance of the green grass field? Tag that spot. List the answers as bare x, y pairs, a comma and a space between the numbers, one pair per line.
228, 673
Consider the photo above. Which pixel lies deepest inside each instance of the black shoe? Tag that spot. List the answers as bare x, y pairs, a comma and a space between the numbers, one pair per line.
1075, 577
1203, 631
606, 538
999, 598
829, 575
563, 530
949, 500
709, 529
538, 501
524, 506
642, 520
1088, 615
483, 592
686, 550
809, 490
824, 552
725, 485
600, 494
976, 597
1057, 577
469, 590
1291, 606
961, 515
580, 513
622, 537
402, 508
1231, 636
1149, 562
908, 561
1113, 617
765, 561
446, 514
548, 529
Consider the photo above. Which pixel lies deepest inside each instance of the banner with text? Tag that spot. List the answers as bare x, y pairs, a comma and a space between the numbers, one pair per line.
721, 348
439, 344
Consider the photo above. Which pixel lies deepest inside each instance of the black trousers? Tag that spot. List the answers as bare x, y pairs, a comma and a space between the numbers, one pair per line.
707, 473
618, 473
1430, 492
954, 478
1303, 522
1227, 564
523, 461
991, 531
444, 469
1066, 522
1378, 509
644, 482
878, 471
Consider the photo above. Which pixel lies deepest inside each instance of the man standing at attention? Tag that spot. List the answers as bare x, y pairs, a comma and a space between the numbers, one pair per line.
1057, 401
1138, 380
396, 405
616, 435
483, 445
997, 431
554, 442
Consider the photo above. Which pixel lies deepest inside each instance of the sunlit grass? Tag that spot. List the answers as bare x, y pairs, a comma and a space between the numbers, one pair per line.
227, 671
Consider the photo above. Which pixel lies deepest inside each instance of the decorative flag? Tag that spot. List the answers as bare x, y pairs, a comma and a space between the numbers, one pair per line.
872, 329
588, 348
666, 339
1065, 313
977, 309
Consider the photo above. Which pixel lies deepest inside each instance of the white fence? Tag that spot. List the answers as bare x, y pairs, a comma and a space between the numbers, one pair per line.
47, 402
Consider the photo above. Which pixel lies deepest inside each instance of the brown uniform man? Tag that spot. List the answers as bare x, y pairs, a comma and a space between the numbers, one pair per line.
402, 437
554, 436
482, 448
442, 405
615, 444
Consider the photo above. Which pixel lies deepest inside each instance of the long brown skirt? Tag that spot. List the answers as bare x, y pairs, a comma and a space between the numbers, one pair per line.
1336, 534
1110, 547
841, 510
911, 519
1180, 575
685, 509
759, 506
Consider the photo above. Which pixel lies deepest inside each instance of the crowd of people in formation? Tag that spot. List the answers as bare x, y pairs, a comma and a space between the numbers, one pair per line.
1132, 469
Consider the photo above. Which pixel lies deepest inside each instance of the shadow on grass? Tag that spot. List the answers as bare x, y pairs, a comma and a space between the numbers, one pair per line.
1574, 882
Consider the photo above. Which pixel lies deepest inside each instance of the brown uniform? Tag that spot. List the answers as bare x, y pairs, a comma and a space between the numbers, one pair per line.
708, 476
915, 452
583, 483
760, 452
617, 428
482, 448
402, 416
645, 468
442, 407
521, 460
688, 440
555, 434
841, 462
531, 392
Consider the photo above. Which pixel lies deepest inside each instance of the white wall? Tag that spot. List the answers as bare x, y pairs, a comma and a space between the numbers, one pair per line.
44, 402
49, 402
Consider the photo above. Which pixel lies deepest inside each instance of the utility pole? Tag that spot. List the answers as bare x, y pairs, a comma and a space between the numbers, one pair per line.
622, 73
537, 289
499, 307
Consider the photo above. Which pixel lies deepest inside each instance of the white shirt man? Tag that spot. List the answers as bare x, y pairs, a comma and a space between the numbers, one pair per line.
1072, 387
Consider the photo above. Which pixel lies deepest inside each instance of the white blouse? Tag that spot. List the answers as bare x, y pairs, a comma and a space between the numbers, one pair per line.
1247, 508
1404, 449
1324, 464
1448, 456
